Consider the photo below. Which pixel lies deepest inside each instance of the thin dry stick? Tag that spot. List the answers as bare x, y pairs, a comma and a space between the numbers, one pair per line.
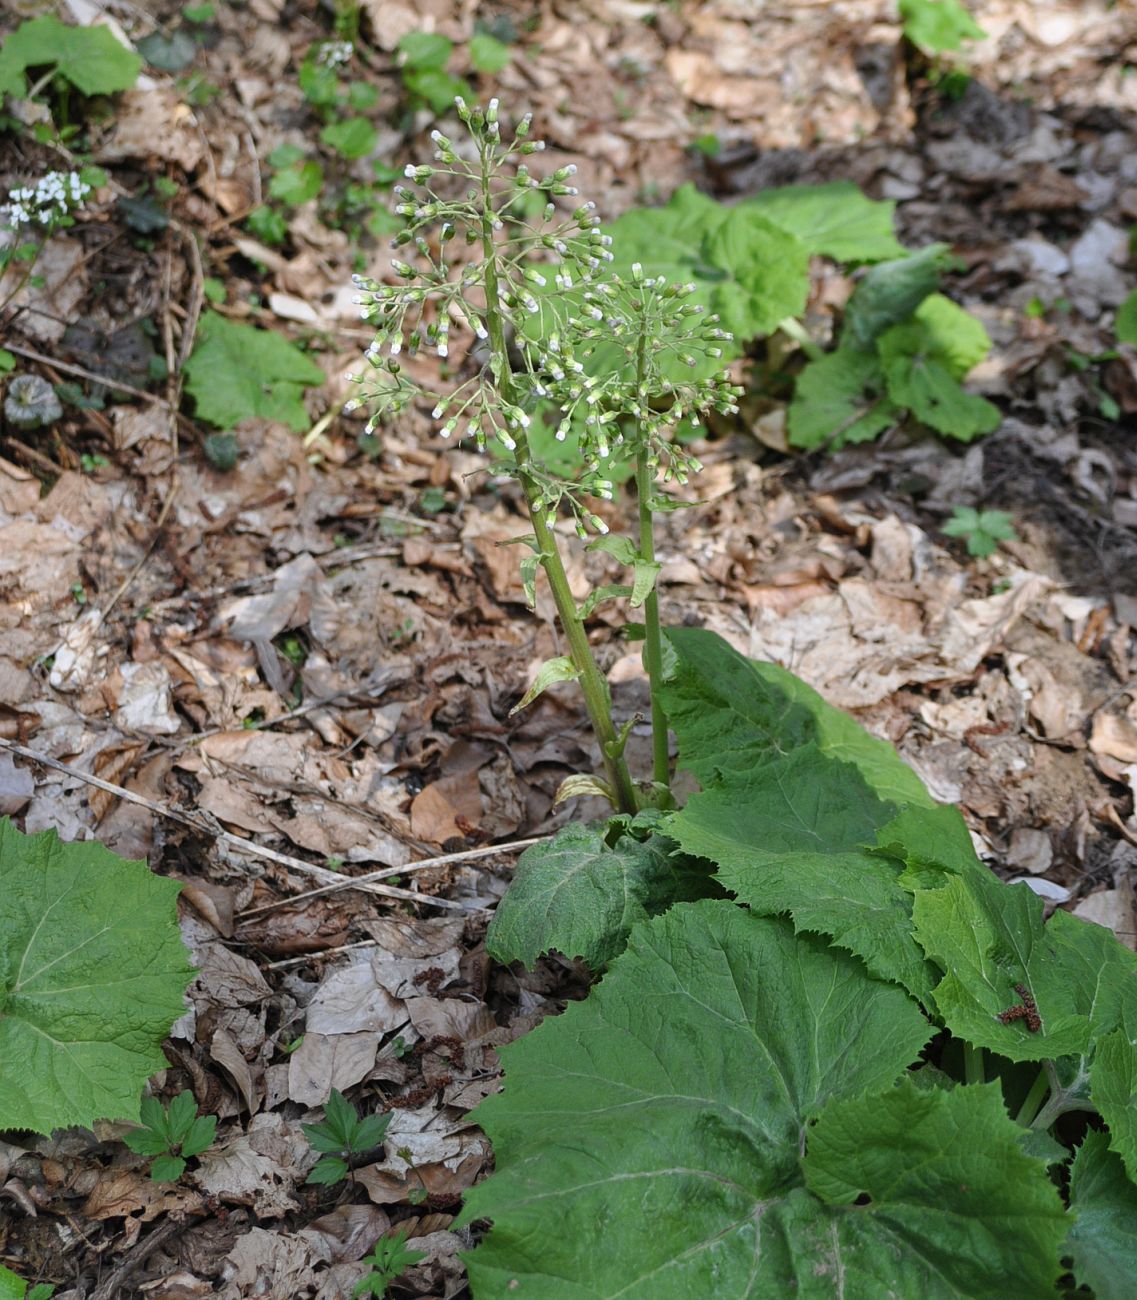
447, 859
244, 846
80, 373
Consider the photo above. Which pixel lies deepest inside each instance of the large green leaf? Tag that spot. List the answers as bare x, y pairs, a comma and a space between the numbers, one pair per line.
576, 894
88, 57
763, 272
92, 975
236, 372
729, 713
923, 361
796, 796
1103, 1240
989, 937
646, 1136
840, 399
836, 220
1113, 1087
953, 1205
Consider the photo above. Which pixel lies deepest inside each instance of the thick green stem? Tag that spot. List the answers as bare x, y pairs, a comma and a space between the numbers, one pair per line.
972, 1063
1032, 1102
653, 641
592, 684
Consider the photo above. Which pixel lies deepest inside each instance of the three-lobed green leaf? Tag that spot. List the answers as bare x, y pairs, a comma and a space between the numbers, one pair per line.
93, 973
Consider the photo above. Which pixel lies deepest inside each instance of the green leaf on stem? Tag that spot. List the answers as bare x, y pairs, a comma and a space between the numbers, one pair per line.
90, 58
649, 1140
552, 671
890, 292
840, 399
989, 937
1103, 1240
577, 895
835, 220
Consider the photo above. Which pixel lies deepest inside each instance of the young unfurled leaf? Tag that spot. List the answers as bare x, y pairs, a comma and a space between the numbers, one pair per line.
92, 975
389, 1259
665, 1117
172, 1134
339, 1134
577, 895
561, 669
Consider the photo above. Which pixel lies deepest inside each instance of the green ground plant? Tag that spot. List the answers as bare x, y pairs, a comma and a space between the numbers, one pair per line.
13, 1287
389, 1259
171, 1134
983, 530
340, 1135
92, 976
831, 1053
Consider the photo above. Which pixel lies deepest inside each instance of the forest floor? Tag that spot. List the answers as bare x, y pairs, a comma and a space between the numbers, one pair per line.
304, 667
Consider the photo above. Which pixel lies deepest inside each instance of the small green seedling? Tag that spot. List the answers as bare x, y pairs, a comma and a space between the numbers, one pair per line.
171, 1135
13, 1287
983, 529
388, 1260
339, 1136
938, 26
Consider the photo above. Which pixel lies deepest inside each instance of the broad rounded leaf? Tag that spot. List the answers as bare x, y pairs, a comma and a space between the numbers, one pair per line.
926, 388
954, 1207
575, 894
92, 975
236, 372
763, 272
1113, 1087
836, 220
1103, 1240
644, 1136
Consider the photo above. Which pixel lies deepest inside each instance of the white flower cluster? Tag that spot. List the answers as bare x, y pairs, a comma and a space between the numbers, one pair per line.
603, 352
51, 198
334, 54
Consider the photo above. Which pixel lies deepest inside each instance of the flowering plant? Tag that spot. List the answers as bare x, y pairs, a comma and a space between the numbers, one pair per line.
558, 334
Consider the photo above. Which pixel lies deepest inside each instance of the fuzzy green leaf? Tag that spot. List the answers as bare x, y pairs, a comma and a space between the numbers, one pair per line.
1103, 1240
237, 372
763, 272
890, 292
487, 53
645, 1135
955, 1206
988, 937
92, 975
1113, 1087
796, 795
576, 895
88, 57
840, 399
836, 220
167, 1168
